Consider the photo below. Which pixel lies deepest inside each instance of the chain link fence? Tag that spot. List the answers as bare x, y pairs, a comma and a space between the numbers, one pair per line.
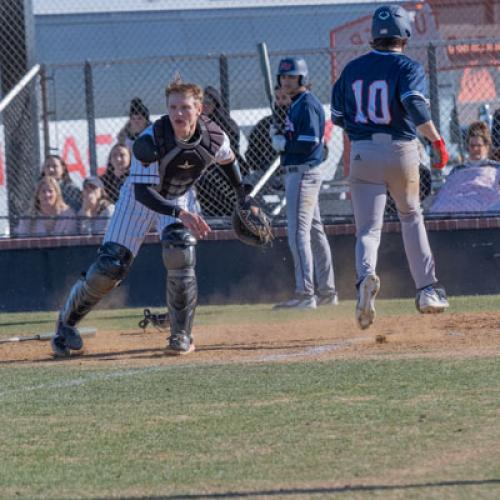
79, 110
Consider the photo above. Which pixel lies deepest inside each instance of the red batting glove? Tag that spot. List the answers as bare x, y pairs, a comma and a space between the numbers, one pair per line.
441, 156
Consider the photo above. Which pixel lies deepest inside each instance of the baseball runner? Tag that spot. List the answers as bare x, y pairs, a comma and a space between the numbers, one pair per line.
168, 158
302, 158
380, 102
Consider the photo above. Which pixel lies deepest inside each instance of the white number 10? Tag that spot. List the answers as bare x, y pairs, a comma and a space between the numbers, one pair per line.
378, 93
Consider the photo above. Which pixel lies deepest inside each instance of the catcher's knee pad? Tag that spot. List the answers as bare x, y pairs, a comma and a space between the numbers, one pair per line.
112, 264
178, 251
179, 258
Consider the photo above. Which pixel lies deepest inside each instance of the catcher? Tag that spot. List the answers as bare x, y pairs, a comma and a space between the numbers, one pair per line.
169, 157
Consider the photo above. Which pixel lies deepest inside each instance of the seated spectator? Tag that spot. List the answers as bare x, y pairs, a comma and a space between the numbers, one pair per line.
213, 190
96, 208
260, 154
475, 185
478, 143
137, 122
56, 167
117, 170
215, 110
50, 216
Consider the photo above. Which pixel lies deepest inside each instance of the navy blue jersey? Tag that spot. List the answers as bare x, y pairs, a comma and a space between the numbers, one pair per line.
304, 129
380, 92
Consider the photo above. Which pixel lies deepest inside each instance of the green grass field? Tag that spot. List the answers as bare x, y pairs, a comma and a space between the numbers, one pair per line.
418, 428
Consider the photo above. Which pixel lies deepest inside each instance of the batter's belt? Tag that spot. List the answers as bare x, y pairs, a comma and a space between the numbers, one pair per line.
294, 169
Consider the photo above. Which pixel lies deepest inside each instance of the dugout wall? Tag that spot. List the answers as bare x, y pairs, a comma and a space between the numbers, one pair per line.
467, 254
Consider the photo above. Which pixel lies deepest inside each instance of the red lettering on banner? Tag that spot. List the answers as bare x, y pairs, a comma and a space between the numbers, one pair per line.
104, 140
2, 175
476, 85
71, 155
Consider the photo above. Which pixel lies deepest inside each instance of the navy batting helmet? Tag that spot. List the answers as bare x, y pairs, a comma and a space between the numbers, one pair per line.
294, 66
391, 21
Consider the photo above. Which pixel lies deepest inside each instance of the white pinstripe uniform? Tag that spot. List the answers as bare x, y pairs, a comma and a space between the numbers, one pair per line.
132, 220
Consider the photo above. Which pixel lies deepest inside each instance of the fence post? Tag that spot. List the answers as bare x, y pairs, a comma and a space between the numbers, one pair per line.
433, 85
19, 118
45, 111
224, 81
90, 109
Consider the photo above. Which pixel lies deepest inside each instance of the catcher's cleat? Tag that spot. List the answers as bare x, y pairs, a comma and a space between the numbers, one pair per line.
160, 320
431, 300
365, 307
66, 339
327, 300
298, 302
180, 345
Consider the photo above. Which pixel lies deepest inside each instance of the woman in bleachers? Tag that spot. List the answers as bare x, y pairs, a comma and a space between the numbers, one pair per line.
55, 166
118, 168
93, 217
50, 215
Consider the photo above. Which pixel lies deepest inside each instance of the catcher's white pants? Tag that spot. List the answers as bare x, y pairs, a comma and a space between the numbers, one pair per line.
131, 220
376, 166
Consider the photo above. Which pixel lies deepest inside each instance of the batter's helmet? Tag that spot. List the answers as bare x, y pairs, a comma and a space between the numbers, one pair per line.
391, 21
294, 66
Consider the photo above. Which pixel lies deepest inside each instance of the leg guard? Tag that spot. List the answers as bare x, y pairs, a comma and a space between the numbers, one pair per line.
112, 264
179, 259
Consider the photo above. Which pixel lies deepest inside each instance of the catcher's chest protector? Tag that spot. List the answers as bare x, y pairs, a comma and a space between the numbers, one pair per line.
181, 163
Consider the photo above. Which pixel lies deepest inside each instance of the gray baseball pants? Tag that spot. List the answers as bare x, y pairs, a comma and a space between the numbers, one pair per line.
306, 235
376, 166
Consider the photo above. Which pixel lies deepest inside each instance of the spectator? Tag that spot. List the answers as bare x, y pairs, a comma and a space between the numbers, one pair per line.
478, 142
117, 171
50, 216
137, 122
475, 185
55, 166
213, 190
96, 208
215, 110
260, 154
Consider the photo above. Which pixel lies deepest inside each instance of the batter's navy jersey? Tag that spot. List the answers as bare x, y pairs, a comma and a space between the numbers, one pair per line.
376, 93
304, 129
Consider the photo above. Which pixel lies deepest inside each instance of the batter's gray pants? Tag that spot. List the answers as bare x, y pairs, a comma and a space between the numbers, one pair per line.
375, 167
306, 235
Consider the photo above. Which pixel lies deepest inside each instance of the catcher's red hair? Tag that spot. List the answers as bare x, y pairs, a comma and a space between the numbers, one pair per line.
187, 89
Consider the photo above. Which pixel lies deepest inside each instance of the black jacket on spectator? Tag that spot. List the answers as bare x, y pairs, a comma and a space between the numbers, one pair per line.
221, 117
72, 196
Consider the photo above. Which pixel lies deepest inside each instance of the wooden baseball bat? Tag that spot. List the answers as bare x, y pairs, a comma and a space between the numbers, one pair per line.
84, 332
265, 68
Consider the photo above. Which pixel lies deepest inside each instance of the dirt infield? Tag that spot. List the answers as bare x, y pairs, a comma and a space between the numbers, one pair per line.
409, 336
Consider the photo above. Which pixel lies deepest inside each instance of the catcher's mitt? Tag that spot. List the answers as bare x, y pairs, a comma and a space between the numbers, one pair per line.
251, 224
